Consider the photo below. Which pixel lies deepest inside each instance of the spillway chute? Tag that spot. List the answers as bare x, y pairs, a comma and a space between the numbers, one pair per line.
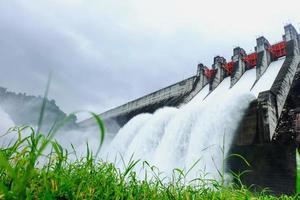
242, 99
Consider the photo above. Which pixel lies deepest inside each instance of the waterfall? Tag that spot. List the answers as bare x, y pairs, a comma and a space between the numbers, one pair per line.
124, 137
144, 144
265, 82
200, 130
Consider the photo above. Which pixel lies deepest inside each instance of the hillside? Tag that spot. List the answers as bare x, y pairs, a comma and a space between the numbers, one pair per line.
25, 109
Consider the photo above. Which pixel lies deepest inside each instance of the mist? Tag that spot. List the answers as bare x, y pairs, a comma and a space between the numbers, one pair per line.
106, 53
6, 121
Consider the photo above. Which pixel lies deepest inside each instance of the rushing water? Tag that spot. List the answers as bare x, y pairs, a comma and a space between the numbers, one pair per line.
5, 123
201, 130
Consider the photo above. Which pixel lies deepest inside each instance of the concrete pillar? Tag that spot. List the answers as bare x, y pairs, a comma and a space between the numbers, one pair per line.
201, 75
220, 72
292, 39
264, 57
283, 81
290, 33
271, 103
239, 65
267, 116
297, 128
199, 82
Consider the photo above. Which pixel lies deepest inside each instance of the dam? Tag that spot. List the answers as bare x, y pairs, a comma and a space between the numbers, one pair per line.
253, 99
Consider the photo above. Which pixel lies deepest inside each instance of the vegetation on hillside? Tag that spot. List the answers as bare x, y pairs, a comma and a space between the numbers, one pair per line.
25, 109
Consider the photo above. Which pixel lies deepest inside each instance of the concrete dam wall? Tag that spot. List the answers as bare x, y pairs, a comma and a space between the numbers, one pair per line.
173, 96
182, 92
268, 133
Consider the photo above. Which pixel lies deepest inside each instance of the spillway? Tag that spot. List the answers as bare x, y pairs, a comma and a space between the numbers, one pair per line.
200, 130
248, 105
265, 82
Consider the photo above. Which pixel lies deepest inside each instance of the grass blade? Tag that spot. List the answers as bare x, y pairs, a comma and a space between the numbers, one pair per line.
41, 116
101, 128
297, 171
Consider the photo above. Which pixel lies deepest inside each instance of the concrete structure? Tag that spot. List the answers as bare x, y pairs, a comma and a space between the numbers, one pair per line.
263, 56
220, 72
272, 160
200, 81
264, 114
239, 66
271, 102
174, 96
297, 126
269, 132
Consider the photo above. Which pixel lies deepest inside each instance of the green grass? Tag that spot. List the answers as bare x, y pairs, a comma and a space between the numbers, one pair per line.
23, 177
297, 171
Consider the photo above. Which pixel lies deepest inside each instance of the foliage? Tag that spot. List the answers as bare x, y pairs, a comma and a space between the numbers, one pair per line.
25, 173
297, 171
17, 106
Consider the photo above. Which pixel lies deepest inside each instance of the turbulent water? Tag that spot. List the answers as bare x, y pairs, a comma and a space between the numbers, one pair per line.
177, 138
266, 81
5, 123
201, 130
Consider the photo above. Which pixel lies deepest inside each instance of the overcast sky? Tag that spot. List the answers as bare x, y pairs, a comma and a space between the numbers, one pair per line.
104, 53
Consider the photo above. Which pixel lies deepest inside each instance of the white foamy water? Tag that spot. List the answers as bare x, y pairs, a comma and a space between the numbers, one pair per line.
144, 144
5, 123
80, 140
178, 137
200, 129
209, 138
265, 82
124, 137
200, 96
172, 150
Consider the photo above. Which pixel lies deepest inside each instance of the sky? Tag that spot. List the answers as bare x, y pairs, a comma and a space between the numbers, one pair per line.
103, 53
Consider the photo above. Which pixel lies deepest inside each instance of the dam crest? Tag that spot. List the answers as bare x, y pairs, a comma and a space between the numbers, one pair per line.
256, 96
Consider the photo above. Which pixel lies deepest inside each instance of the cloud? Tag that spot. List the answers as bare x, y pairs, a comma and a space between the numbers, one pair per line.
104, 53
